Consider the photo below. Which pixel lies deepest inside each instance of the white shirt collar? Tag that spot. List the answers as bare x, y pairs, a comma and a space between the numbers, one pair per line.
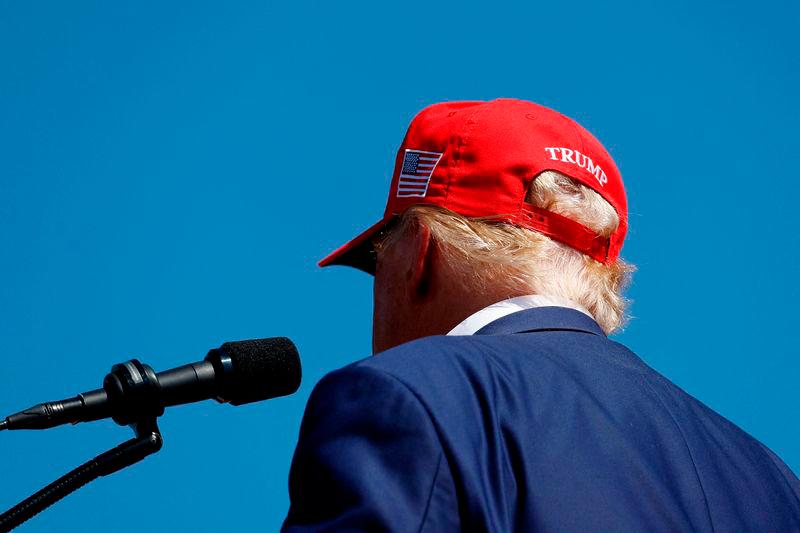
477, 320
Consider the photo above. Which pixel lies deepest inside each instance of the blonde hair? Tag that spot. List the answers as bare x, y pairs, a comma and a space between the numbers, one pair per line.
487, 254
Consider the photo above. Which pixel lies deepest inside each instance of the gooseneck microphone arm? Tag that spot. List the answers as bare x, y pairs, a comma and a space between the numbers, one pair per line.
146, 442
133, 394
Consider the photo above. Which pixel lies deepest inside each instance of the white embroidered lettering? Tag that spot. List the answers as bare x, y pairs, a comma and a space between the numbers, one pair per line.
580, 160
552, 152
590, 166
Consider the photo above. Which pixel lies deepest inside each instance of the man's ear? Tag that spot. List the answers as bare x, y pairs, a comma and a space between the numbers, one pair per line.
424, 261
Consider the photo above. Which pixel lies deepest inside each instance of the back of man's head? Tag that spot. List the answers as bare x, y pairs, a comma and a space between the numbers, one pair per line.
503, 259
488, 201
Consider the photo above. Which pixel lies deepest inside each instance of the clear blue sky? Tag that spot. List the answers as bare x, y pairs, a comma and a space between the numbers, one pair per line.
171, 171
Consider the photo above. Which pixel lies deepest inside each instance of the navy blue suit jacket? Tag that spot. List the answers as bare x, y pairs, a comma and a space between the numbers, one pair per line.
536, 423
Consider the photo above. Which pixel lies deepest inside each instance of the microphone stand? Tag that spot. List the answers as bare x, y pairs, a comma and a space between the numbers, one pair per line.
135, 388
147, 441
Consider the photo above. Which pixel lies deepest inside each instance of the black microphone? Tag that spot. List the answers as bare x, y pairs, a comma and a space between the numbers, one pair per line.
236, 372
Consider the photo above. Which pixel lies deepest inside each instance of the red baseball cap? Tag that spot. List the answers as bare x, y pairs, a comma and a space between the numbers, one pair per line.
478, 159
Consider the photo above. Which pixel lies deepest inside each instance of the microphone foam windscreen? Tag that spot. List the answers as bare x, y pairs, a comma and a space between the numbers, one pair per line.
262, 369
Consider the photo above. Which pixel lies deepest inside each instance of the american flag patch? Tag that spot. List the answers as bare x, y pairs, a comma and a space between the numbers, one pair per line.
416, 172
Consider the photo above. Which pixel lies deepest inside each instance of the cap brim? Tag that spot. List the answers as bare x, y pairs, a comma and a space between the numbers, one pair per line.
357, 253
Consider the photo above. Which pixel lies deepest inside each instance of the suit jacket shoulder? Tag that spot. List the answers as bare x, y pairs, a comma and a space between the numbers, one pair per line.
537, 422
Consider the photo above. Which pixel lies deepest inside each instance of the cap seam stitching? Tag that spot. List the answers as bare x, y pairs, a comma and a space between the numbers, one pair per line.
464, 136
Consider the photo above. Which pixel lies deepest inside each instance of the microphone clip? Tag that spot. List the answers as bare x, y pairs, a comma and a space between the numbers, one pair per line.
134, 392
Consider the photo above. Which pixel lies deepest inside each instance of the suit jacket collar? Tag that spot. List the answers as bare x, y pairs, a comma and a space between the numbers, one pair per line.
542, 319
